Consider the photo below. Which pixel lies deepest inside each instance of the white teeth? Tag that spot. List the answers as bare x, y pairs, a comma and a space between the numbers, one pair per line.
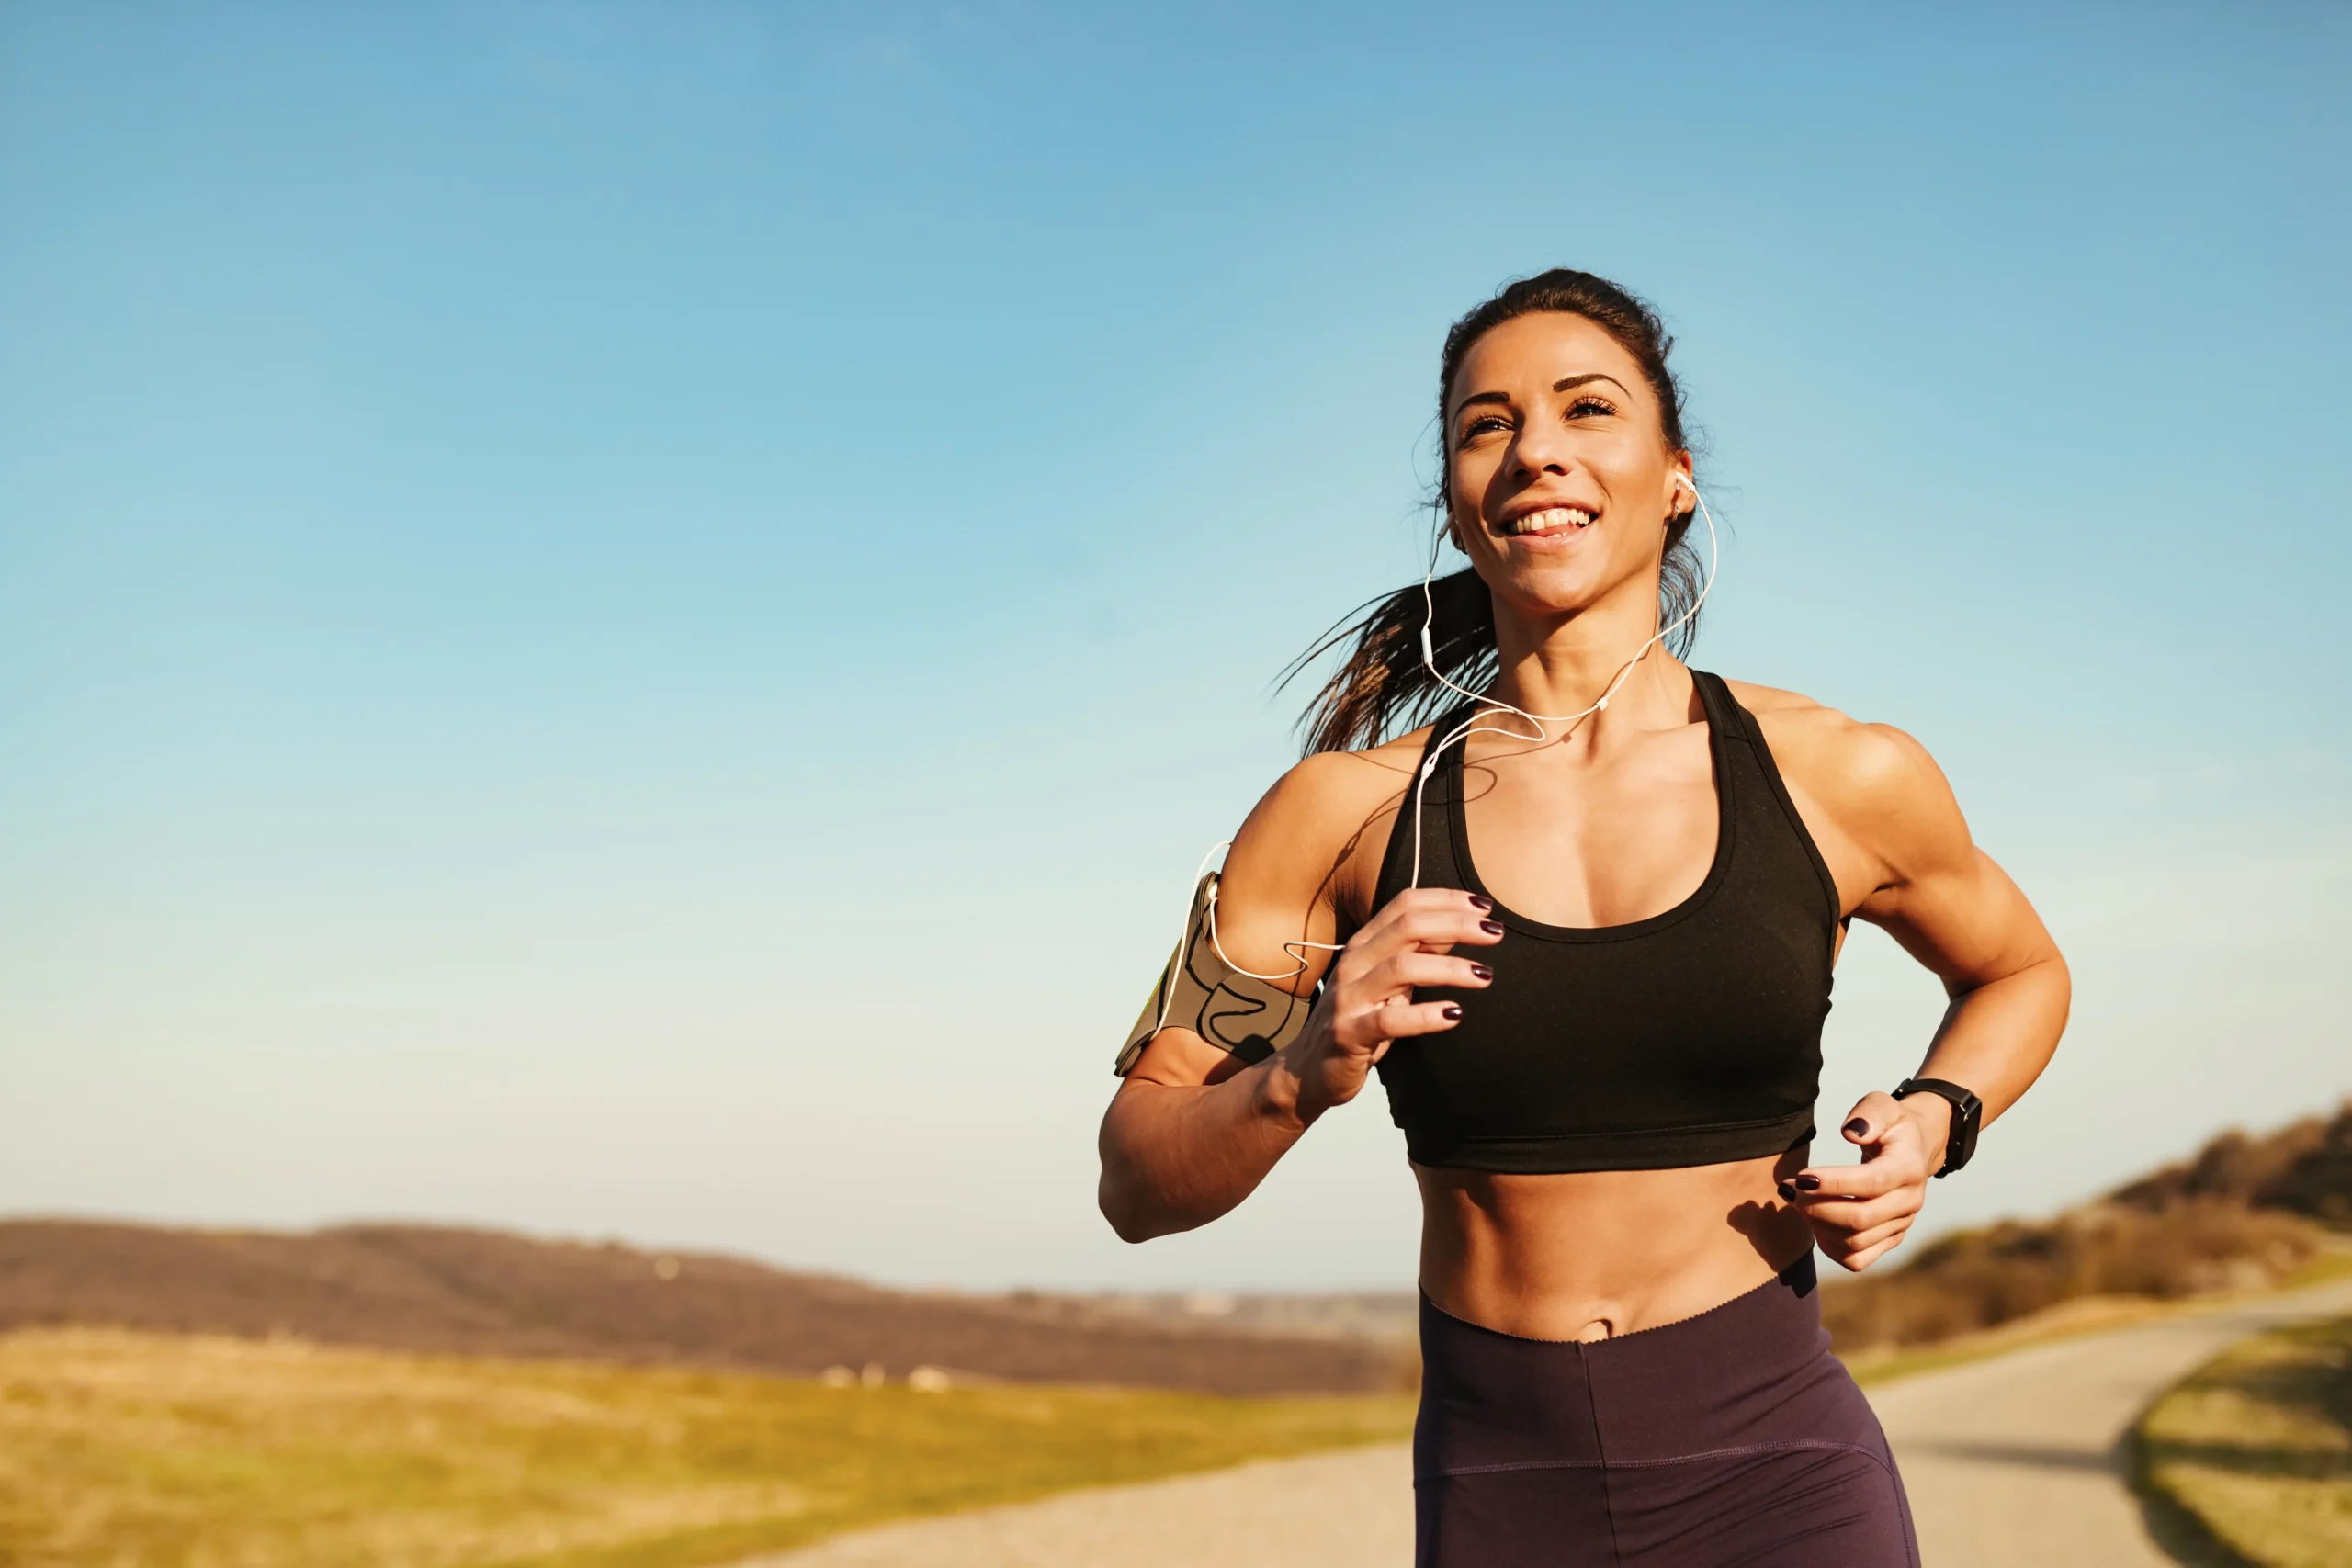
1549, 518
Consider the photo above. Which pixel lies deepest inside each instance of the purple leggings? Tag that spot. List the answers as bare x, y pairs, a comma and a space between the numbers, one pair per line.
1729, 1439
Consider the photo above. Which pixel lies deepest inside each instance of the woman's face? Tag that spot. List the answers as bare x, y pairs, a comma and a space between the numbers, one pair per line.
1560, 477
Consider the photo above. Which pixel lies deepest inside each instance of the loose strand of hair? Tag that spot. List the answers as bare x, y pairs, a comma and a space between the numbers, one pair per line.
1381, 688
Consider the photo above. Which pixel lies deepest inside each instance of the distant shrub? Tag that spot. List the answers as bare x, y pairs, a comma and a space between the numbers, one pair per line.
2304, 1168
1980, 1279
2238, 1216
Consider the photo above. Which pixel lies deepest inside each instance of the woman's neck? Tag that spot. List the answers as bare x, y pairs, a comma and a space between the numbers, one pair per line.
1561, 665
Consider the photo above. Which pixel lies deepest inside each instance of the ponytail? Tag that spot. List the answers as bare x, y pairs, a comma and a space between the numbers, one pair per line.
1382, 687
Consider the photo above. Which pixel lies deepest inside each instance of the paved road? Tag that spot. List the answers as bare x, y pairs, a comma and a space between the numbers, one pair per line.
1343, 1510
2010, 1463
2013, 1460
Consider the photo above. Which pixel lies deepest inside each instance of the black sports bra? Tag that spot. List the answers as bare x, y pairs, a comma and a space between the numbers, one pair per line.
1690, 1038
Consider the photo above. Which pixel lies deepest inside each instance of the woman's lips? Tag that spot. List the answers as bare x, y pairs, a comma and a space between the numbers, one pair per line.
1552, 522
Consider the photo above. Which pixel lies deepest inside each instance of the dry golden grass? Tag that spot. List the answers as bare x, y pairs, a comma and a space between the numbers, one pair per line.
162, 1451
2256, 1446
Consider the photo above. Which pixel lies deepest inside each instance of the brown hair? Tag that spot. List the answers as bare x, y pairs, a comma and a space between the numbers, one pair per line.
1382, 688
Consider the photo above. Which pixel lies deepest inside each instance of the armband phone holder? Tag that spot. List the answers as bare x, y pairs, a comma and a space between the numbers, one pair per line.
1200, 991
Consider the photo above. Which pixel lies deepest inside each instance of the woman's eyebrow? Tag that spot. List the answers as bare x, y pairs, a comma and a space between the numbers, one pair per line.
1562, 386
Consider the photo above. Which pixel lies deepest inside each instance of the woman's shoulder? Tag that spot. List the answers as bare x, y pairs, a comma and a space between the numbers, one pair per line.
1333, 792
1326, 819
1869, 776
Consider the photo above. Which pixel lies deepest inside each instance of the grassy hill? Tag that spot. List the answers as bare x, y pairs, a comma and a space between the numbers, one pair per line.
2304, 1169
452, 1292
2256, 1447
2246, 1210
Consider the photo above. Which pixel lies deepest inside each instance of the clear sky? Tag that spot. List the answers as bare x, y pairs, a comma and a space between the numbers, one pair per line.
629, 619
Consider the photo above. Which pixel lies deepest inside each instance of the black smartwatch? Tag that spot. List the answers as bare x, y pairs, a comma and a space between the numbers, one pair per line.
1967, 1113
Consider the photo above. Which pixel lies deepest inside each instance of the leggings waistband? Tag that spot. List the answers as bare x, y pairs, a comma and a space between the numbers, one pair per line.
1718, 1380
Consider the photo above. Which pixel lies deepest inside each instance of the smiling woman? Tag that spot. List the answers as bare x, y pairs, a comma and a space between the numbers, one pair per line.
1608, 1098
1385, 680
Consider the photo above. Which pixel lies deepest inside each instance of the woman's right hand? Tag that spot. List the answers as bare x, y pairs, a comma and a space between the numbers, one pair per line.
1367, 998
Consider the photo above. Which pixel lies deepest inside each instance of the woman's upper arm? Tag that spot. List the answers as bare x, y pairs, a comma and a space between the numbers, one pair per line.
1945, 900
1280, 890
1920, 875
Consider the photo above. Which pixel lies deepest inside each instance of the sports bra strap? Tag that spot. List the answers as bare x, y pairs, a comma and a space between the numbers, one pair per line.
1733, 721
1723, 713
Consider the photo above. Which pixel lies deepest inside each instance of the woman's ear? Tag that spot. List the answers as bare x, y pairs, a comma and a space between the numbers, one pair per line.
1679, 486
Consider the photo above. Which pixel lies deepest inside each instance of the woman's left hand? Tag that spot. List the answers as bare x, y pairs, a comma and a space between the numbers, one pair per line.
1860, 1211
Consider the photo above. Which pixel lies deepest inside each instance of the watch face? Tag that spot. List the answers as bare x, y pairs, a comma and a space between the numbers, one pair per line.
1964, 1135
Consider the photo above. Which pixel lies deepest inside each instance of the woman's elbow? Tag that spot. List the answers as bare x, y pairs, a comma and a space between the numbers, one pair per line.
2055, 981
1120, 1194
1118, 1204
1124, 1195
1133, 1214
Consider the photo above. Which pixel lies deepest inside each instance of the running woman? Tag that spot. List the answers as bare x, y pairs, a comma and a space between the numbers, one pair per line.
1586, 944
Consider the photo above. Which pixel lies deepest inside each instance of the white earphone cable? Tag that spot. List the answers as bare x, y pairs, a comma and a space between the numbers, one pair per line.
1169, 994
1436, 749
1472, 726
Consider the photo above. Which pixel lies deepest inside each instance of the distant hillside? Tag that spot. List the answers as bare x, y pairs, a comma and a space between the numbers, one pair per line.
2245, 1212
2304, 1168
485, 1293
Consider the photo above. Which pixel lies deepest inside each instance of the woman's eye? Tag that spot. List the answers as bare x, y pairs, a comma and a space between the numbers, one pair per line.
1586, 407
1482, 426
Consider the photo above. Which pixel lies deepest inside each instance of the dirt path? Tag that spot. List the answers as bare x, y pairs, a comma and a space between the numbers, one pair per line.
2010, 1463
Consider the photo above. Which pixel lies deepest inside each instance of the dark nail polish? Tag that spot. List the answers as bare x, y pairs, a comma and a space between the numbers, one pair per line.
1451, 1012
1788, 1194
1492, 928
1859, 1127
1481, 971
1805, 1183
1481, 904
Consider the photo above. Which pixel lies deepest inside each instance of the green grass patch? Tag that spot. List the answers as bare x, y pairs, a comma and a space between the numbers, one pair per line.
2255, 1447
169, 1451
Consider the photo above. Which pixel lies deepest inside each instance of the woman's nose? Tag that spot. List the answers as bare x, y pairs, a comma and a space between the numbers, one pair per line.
1541, 449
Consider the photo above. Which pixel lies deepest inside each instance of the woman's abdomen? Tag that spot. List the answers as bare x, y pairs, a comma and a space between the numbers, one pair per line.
1590, 1255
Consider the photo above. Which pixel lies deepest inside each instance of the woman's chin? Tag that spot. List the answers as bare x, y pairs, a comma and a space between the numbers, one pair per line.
1552, 592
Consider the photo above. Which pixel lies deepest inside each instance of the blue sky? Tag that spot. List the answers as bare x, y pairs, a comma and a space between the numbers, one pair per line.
629, 619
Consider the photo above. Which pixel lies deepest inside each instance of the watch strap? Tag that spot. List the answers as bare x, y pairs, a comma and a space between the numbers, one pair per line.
1967, 1114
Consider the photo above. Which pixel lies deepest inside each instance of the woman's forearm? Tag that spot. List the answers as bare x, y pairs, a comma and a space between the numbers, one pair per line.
1176, 1157
1996, 1038
1178, 1154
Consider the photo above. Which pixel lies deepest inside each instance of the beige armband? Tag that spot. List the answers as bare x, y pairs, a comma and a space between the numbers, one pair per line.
1231, 1011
